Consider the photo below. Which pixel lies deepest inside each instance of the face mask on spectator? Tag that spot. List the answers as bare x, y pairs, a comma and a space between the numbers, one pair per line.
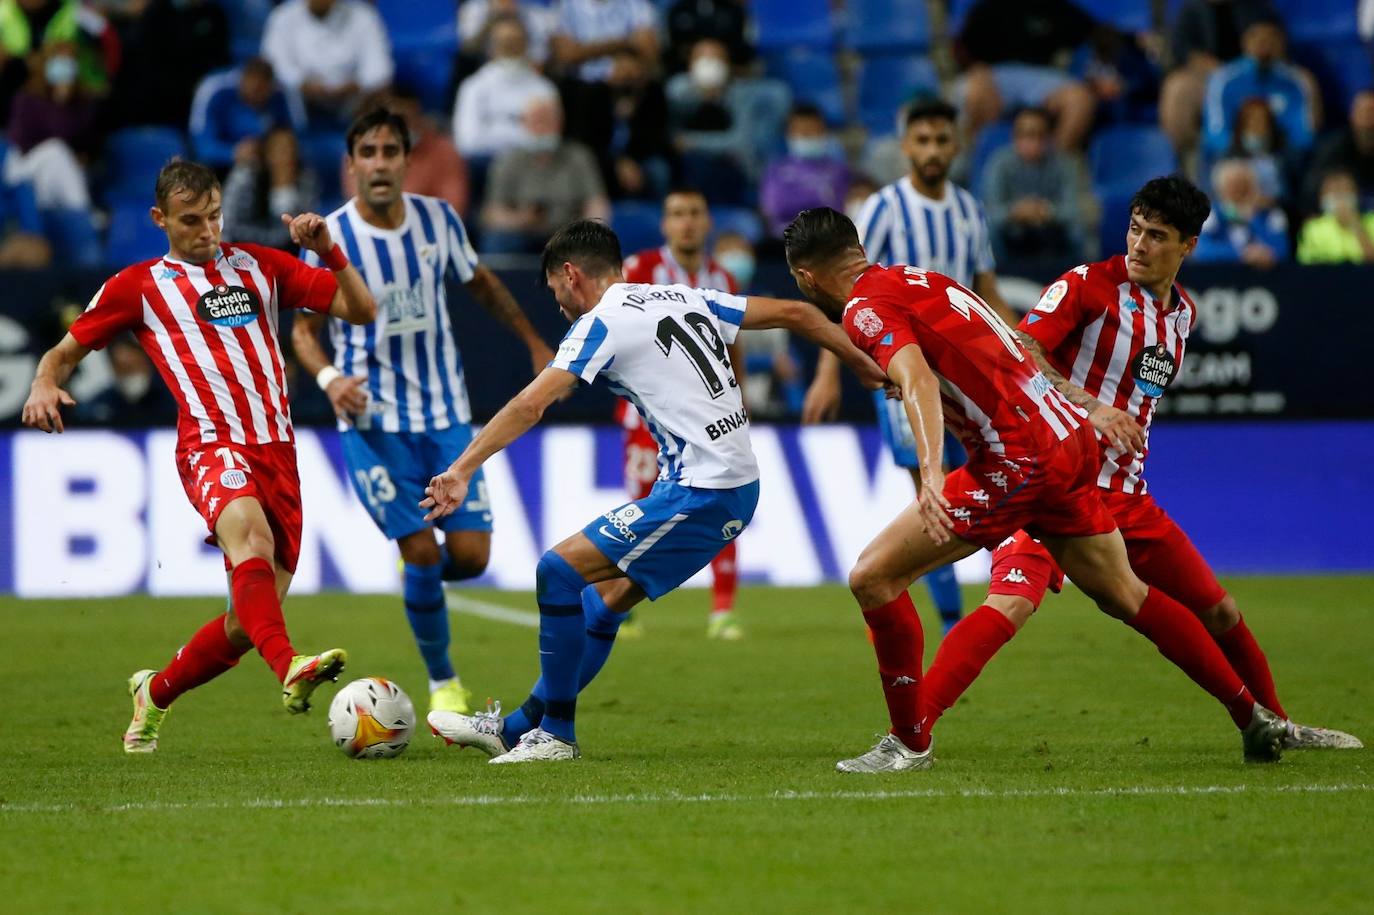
60, 70
739, 264
133, 387
710, 72
543, 142
1232, 212
808, 147
1334, 203
1253, 143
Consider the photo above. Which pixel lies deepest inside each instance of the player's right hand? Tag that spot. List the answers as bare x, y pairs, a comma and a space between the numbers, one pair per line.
310, 231
43, 409
348, 396
445, 493
1118, 428
932, 508
822, 401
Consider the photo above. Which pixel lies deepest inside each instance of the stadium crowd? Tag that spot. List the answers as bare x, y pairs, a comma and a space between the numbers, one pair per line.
526, 114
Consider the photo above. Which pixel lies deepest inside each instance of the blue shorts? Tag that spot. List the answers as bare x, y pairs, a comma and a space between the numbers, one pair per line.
390, 471
664, 539
901, 441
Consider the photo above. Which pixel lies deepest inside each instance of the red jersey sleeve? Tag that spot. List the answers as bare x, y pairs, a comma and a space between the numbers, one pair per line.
117, 306
1060, 311
880, 327
298, 284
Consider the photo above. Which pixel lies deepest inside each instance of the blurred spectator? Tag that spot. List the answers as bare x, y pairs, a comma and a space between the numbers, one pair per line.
1206, 34
237, 105
1241, 229
812, 173
590, 35
477, 19
1119, 72
771, 376
1012, 46
51, 121
1352, 150
860, 189
1341, 234
267, 180
22, 245
731, 123
434, 167
639, 152
735, 255
1257, 138
168, 47
534, 190
30, 25
136, 398
489, 112
1261, 73
333, 52
1031, 193
726, 21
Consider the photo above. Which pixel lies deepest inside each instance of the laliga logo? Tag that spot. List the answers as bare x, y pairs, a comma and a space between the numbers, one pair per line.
732, 529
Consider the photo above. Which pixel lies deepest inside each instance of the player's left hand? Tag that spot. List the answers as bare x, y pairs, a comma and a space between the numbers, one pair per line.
932, 508
310, 231
445, 493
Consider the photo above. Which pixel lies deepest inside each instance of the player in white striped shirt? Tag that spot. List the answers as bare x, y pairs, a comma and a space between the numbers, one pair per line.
397, 384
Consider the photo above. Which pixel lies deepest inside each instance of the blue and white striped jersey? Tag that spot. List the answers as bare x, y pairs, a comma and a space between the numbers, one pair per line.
663, 349
900, 225
414, 372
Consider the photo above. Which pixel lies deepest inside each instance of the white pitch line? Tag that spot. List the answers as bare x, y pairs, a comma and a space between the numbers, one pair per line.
595, 800
457, 603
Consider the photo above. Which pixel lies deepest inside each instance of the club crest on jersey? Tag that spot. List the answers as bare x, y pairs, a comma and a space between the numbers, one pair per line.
1052, 297
1153, 368
229, 306
233, 479
242, 260
868, 322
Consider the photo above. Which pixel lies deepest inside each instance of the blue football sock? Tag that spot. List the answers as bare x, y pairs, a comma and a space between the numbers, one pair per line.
602, 625
562, 638
428, 616
944, 592
526, 718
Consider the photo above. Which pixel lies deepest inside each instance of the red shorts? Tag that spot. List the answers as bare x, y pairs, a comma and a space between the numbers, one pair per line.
1054, 493
641, 461
216, 474
1160, 552
1022, 567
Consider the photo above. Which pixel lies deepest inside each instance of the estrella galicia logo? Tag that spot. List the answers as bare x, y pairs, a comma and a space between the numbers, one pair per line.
732, 529
1153, 368
229, 306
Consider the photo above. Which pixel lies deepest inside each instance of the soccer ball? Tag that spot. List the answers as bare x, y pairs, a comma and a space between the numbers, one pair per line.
371, 718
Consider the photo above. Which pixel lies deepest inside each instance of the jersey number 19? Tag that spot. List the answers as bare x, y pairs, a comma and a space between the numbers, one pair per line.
670, 332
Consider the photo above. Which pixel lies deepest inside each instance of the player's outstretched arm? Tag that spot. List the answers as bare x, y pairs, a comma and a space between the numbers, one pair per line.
1122, 431
448, 490
921, 397
353, 302
493, 295
43, 409
806, 319
347, 393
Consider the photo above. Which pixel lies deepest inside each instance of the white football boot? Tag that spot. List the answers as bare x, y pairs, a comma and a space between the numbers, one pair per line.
539, 746
483, 730
890, 755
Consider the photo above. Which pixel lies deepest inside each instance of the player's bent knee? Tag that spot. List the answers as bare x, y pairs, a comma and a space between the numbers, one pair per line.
1222, 617
420, 549
470, 558
868, 587
1017, 610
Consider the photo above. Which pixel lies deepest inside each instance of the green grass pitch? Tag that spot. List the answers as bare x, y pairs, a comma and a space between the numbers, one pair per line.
1082, 773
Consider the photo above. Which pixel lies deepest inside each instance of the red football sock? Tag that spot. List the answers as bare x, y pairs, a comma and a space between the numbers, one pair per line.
724, 579
1248, 660
963, 653
1181, 637
206, 656
254, 586
899, 644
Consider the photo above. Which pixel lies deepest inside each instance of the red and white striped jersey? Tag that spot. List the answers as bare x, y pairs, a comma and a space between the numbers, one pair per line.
994, 396
659, 267
211, 330
1114, 340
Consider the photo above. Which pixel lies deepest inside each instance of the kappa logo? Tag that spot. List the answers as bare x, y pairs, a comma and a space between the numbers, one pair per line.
868, 322
999, 479
167, 274
1006, 543
200, 474
732, 529
903, 681
1016, 576
194, 458
978, 495
855, 301
233, 479
213, 503
205, 489
962, 514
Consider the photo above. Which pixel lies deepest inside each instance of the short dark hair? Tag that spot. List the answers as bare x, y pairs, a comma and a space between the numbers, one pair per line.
806, 110
182, 176
684, 190
819, 235
930, 108
1174, 201
380, 116
586, 243
260, 66
1035, 111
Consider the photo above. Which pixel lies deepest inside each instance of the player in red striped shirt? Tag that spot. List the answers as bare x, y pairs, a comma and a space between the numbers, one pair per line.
206, 313
1111, 335
1033, 465
683, 258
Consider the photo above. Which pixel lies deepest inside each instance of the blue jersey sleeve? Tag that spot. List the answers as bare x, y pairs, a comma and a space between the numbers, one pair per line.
462, 256
728, 309
587, 350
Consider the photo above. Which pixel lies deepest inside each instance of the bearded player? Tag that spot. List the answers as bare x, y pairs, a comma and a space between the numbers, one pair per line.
1110, 336
1032, 465
683, 260
206, 314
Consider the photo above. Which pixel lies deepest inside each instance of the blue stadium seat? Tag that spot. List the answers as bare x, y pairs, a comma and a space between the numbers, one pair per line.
992, 138
133, 237
1116, 216
958, 11
1319, 20
889, 81
246, 19
636, 222
813, 77
1123, 158
887, 25
1129, 16
324, 151
73, 237
133, 157
742, 220
420, 24
793, 23
429, 73
1341, 68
